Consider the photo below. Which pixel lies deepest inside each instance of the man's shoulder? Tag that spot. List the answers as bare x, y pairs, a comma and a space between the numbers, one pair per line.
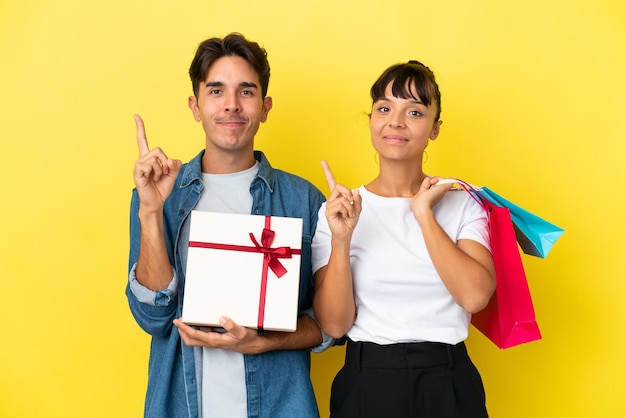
288, 176
286, 180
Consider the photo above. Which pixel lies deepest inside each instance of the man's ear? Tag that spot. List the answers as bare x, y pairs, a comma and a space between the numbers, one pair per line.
267, 105
192, 102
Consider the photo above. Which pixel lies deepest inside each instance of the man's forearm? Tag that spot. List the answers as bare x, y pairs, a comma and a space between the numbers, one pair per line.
307, 335
154, 270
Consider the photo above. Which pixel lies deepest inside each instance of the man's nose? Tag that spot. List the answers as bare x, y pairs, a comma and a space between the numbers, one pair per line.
232, 103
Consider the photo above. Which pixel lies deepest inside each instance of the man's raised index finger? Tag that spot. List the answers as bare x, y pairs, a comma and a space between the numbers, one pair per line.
142, 141
330, 178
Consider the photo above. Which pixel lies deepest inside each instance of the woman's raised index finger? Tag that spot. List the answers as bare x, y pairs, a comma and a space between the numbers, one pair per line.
330, 178
142, 141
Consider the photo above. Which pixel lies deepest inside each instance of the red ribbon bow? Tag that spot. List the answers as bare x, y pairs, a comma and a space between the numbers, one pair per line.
271, 255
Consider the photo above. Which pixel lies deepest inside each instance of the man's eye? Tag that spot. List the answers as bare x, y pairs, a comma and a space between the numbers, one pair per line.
383, 109
415, 113
215, 91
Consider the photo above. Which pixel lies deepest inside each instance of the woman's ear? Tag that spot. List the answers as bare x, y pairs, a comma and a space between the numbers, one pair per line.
434, 133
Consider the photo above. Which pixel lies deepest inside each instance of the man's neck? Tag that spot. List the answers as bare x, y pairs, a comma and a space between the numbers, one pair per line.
227, 162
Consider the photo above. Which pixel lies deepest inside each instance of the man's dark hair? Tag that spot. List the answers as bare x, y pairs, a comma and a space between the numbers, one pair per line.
233, 44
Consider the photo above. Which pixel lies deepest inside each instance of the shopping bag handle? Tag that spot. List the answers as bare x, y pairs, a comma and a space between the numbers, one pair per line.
472, 190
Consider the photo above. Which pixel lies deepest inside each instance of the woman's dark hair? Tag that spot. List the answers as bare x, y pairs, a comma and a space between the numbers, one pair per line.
403, 77
233, 44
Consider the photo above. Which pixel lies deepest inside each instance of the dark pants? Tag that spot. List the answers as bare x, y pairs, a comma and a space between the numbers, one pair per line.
425, 380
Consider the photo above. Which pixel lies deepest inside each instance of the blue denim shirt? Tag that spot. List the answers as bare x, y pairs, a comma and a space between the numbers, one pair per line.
277, 383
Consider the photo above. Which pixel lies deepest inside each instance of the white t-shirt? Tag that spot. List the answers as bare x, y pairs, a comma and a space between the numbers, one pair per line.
223, 371
399, 295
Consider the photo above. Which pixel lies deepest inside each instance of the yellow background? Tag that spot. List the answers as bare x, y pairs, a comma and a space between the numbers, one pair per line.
533, 106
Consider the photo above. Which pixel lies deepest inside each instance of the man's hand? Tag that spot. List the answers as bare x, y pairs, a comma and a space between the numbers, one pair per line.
236, 338
154, 173
343, 207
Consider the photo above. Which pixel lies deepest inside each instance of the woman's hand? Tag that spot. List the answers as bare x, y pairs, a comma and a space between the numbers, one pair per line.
343, 207
429, 194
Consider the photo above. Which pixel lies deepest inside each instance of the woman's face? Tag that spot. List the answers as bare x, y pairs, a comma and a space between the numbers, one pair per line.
400, 128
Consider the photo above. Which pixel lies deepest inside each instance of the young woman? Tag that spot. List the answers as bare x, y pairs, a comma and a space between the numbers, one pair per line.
400, 265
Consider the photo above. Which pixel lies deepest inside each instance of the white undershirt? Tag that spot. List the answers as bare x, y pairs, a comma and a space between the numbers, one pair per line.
223, 371
399, 295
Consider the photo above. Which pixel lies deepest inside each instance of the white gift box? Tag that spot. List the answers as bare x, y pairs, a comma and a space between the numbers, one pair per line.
230, 273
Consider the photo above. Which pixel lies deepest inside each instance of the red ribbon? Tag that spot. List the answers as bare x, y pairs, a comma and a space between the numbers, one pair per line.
270, 259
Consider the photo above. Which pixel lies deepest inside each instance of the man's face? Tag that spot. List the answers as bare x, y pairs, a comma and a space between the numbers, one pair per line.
230, 106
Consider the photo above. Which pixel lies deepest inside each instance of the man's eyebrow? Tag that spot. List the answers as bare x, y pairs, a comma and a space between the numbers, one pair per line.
247, 84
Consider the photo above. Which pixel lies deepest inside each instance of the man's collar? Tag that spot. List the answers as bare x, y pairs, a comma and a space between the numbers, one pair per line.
193, 170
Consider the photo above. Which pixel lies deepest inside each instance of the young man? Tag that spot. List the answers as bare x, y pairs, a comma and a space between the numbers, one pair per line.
237, 372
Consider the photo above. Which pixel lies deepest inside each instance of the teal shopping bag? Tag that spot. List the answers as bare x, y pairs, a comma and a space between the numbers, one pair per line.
535, 235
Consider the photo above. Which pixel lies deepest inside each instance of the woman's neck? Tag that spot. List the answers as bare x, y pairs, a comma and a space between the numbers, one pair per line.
397, 181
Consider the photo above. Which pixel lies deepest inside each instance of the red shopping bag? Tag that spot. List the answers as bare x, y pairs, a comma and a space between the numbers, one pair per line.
509, 317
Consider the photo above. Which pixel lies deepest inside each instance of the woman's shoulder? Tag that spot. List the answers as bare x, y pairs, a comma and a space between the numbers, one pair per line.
459, 200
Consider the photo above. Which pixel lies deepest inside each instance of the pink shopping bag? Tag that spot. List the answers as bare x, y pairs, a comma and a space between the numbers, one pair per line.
509, 318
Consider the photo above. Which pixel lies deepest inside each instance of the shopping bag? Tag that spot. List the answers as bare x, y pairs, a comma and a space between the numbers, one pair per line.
535, 235
509, 317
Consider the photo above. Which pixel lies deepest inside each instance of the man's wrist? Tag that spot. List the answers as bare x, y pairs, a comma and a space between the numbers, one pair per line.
149, 215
